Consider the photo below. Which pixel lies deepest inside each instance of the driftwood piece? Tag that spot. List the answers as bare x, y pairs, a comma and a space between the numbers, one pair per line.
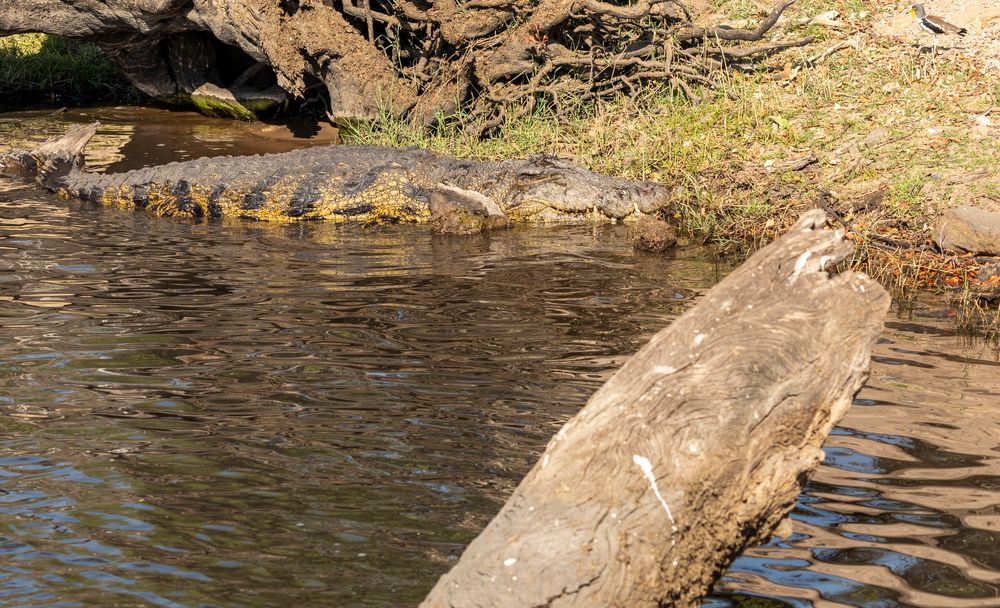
692, 451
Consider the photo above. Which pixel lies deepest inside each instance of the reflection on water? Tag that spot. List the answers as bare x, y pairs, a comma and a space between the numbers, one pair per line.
239, 414
131, 138
906, 509
256, 415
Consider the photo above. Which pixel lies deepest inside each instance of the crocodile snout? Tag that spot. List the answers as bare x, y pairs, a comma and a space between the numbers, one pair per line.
547, 188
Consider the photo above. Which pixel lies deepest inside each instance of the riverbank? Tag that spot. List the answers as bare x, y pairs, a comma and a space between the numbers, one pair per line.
865, 120
37, 69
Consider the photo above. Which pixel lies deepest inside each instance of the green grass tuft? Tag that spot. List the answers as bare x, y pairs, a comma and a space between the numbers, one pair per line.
40, 67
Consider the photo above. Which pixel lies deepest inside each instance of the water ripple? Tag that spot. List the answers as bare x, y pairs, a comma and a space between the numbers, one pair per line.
234, 414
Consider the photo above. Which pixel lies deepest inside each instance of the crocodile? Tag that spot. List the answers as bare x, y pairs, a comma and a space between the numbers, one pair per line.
340, 183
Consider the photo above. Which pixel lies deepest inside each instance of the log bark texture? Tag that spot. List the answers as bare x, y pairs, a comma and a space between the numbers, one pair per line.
694, 449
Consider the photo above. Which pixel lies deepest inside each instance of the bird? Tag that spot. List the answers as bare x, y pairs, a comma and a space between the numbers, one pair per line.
934, 25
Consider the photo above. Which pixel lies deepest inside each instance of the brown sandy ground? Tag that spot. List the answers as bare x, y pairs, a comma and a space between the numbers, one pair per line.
899, 134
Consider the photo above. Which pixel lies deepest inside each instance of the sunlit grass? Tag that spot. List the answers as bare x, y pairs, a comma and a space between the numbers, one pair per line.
881, 117
46, 67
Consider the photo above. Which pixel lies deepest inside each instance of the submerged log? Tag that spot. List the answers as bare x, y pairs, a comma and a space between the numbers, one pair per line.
691, 452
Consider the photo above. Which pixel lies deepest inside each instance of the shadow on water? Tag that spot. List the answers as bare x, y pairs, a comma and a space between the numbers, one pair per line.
238, 414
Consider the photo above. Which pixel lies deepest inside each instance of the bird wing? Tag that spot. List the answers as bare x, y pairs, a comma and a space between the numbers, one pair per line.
940, 26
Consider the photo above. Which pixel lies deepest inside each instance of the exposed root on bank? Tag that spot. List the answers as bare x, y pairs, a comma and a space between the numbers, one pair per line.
589, 50
473, 65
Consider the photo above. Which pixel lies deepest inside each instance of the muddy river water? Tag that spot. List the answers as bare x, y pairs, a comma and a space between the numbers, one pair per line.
240, 414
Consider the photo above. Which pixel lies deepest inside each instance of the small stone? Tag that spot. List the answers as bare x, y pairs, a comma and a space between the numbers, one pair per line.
876, 136
652, 234
987, 283
872, 200
969, 229
212, 100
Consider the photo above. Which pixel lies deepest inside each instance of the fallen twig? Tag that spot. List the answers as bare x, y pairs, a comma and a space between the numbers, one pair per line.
819, 58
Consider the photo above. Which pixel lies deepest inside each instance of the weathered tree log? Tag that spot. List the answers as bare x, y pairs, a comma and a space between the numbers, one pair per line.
695, 449
420, 58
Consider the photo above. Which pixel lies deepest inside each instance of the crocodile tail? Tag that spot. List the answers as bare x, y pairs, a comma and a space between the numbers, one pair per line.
53, 160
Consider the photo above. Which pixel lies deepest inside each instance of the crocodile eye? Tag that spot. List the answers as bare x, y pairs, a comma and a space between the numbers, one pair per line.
541, 164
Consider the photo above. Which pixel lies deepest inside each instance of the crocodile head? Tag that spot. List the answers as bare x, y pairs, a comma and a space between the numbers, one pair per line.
547, 188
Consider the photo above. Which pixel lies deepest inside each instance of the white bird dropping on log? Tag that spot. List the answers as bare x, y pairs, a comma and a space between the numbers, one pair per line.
647, 470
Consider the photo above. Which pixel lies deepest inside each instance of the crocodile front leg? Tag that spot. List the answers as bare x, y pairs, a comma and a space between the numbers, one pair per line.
457, 211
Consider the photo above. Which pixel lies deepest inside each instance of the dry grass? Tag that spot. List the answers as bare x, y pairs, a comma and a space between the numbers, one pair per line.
893, 131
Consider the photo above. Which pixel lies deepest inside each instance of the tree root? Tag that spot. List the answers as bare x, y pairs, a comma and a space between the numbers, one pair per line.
555, 49
478, 61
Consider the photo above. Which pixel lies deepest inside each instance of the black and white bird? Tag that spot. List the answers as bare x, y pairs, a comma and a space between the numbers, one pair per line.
934, 25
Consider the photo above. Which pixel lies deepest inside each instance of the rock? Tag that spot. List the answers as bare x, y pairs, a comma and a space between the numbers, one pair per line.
875, 137
828, 19
870, 201
969, 229
213, 100
651, 234
891, 87
457, 211
986, 285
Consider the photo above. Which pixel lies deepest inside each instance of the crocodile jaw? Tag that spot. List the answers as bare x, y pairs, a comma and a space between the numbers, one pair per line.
546, 189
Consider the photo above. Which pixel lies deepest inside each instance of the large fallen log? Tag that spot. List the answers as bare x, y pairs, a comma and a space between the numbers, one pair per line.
692, 451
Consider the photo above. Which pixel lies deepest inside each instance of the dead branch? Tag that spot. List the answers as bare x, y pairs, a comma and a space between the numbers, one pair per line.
760, 50
694, 449
729, 34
